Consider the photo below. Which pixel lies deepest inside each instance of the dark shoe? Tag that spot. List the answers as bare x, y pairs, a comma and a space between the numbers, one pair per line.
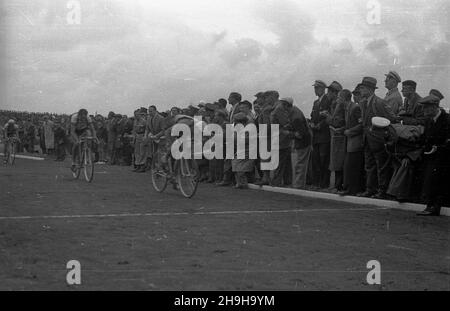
382, 196
366, 194
430, 211
224, 184
241, 187
73, 168
262, 183
344, 193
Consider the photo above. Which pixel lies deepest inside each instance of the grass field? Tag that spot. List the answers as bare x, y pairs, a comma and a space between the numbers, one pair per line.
128, 237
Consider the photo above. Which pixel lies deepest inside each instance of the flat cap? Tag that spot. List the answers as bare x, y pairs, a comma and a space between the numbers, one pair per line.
429, 100
335, 86
394, 75
437, 94
246, 103
271, 93
259, 94
409, 83
319, 83
236, 96
210, 107
288, 100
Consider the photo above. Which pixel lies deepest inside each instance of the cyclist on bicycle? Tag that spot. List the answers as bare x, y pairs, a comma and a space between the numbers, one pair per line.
10, 132
81, 125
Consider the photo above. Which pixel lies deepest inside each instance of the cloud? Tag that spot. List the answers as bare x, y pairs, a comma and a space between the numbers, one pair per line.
125, 55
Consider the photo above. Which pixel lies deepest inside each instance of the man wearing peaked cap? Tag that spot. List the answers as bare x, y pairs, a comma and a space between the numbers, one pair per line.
320, 83
393, 97
411, 112
321, 137
437, 94
436, 155
333, 89
378, 170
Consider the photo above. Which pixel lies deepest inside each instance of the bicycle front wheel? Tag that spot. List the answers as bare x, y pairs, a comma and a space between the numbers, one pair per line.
187, 177
12, 154
88, 165
159, 177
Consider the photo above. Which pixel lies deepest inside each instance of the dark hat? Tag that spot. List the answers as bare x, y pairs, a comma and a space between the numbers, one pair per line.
409, 83
210, 107
288, 100
369, 82
247, 103
429, 100
437, 94
357, 90
335, 86
259, 94
143, 110
236, 96
271, 93
394, 75
239, 117
222, 102
319, 83
222, 113
175, 108
192, 108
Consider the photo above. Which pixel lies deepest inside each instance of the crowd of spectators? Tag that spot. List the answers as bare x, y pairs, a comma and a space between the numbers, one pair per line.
352, 142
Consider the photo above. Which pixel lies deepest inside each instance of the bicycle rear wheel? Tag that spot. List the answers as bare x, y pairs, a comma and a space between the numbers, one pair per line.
88, 165
187, 177
159, 177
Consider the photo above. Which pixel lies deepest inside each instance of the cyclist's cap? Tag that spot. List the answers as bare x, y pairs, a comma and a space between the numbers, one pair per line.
11, 121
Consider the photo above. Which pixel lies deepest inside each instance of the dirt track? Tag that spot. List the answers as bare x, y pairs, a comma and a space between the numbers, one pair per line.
222, 239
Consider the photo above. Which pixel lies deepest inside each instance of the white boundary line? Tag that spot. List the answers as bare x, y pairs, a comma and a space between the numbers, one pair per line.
187, 213
19, 156
445, 211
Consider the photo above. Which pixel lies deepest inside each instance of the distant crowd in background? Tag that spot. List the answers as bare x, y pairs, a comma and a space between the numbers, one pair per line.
352, 143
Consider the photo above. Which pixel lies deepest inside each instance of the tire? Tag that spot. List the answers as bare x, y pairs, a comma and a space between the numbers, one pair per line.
187, 177
159, 178
88, 165
12, 154
76, 173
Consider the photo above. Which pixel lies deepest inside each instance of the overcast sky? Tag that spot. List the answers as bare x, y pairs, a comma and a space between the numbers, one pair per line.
125, 54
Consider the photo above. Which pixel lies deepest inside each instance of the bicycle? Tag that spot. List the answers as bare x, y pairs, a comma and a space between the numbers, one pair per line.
10, 150
85, 160
182, 173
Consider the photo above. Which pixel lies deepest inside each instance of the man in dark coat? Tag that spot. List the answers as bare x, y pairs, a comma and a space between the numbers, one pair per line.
321, 136
411, 112
280, 115
268, 105
377, 162
354, 157
337, 138
436, 155
301, 149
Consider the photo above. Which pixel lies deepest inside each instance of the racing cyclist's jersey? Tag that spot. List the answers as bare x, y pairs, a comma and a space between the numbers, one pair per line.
81, 126
11, 130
